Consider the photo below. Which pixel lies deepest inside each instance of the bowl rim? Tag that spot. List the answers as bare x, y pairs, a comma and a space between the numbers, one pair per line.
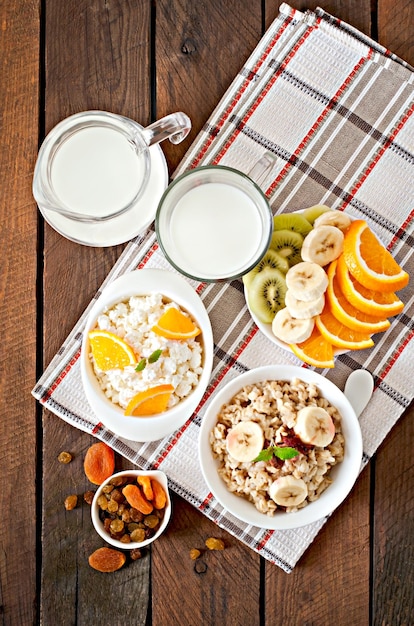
98, 525
143, 282
330, 499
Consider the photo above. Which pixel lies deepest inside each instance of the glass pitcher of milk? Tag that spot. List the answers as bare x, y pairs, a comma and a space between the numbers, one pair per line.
95, 166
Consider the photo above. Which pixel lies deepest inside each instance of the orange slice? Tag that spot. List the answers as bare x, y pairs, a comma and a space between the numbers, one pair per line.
150, 401
339, 335
346, 313
315, 350
381, 303
110, 351
369, 262
174, 324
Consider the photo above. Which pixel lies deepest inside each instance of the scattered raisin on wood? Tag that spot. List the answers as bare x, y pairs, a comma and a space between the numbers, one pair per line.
214, 544
71, 502
88, 496
194, 553
65, 457
136, 554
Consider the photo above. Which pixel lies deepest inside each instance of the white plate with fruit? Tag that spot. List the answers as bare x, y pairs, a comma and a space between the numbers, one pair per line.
321, 288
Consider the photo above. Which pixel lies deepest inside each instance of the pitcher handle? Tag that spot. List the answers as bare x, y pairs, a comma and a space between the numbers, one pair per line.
262, 168
174, 127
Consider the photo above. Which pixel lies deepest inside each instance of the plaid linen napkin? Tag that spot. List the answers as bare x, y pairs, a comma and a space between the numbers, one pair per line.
336, 108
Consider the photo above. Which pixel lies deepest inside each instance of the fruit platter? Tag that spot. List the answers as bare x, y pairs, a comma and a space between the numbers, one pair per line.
325, 285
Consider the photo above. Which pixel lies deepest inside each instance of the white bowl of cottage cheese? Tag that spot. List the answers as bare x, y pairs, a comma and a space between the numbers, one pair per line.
129, 309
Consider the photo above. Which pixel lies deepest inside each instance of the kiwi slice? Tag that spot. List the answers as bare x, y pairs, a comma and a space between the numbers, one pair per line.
288, 244
266, 294
271, 259
292, 221
313, 212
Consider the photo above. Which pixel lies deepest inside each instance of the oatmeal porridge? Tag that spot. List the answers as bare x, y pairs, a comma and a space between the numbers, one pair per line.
276, 442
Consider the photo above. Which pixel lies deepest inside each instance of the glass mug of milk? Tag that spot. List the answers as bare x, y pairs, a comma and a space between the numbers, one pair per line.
214, 223
94, 166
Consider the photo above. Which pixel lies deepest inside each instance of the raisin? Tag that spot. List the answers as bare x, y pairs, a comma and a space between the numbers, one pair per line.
65, 457
135, 554
214, 544
113, 506
151, 521
138, 535
88, 496
71, 502
116, 526
194, 554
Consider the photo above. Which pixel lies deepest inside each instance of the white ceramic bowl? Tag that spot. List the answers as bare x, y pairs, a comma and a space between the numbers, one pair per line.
98, 524
344, 474
177, 289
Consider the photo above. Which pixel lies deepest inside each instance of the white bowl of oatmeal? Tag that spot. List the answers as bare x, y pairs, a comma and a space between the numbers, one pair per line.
302, 473
129, 308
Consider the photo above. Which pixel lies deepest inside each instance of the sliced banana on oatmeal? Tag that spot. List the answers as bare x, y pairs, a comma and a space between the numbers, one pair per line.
314, 426
288, 491
291, 330
245, 441
307, 281
323, 245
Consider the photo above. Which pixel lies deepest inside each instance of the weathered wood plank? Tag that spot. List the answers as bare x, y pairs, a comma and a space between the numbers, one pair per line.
200, 47
19, 96
97, 57
395, 27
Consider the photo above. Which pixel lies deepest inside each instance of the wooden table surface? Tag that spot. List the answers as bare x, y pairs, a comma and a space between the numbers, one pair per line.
145, 59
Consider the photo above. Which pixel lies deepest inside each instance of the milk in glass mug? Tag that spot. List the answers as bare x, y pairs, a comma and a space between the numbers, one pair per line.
95, 166
214, 223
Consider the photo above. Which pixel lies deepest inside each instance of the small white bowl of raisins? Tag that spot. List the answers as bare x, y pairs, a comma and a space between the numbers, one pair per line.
131, 509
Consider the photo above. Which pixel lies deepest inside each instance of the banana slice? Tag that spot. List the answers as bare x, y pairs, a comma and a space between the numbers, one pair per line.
323, 245
245, 441
291, 330
288, 491
300, 309
314, 426
333, 218
307, 281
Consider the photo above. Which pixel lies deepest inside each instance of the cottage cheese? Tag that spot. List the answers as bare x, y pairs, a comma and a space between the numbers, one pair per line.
180, 363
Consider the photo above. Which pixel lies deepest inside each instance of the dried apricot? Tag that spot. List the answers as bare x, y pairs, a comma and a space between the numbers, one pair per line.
99, 462
145, 483
136, 499
160, 497
107, 560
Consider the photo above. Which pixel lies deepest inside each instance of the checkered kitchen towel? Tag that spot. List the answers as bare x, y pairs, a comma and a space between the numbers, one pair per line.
336, 108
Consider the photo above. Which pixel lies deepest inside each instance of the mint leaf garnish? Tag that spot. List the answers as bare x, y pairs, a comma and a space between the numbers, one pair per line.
285, 452
281, 452
264, 455
154, 356
141, 365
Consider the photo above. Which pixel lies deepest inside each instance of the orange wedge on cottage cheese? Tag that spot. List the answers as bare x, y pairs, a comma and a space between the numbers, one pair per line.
150, 401
109, 351
369, 261
174, 324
